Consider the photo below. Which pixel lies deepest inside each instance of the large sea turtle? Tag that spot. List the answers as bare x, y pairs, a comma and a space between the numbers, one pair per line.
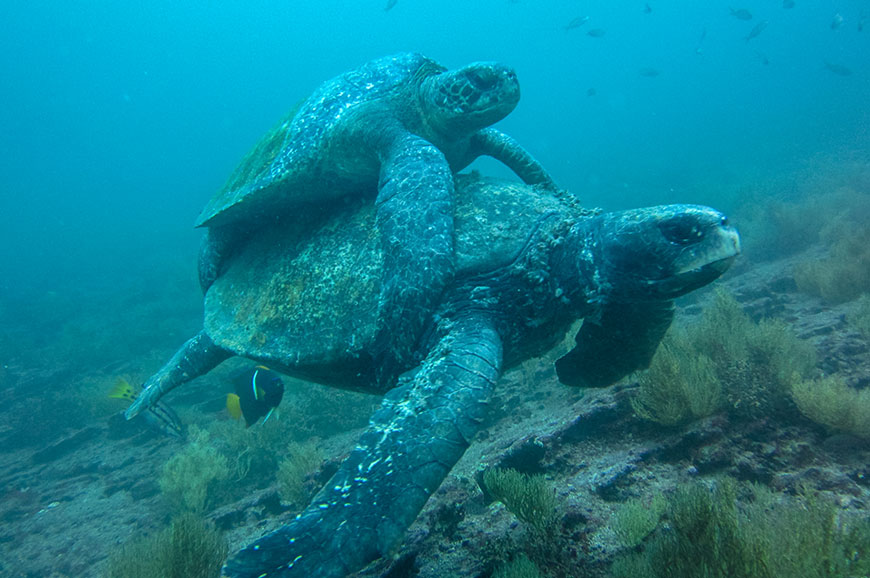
529, 264
403, 123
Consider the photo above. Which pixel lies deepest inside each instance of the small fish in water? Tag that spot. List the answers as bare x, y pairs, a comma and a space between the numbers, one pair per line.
390, 4
647, 9
838, 69
257, 395
742, 14
649, 72
591, 92
160, 416
759, 28
788, 4
762, 57
576, 23
700, 41
596, 33
836, 22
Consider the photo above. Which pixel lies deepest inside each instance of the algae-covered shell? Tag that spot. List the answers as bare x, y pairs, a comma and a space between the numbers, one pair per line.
308, 293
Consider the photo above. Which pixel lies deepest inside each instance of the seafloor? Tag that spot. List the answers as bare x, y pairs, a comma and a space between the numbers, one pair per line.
78, 481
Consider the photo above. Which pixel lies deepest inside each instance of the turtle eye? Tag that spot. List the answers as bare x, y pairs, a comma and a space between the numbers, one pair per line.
681, 231
482, 81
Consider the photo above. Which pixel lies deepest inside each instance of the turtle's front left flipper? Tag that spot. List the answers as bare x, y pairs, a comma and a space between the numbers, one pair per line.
196, 357
496, 144
415, 222
421, 430
623, 340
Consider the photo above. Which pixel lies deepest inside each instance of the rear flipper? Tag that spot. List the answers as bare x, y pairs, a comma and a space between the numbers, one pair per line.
197, 356
622, 341
217, 246
421, 430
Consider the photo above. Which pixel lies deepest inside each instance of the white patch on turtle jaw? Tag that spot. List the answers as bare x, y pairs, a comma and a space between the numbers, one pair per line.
720, 245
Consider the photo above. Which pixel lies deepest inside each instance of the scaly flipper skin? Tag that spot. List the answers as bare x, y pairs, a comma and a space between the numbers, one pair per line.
197, 356
421, 430
496, 144
415, 223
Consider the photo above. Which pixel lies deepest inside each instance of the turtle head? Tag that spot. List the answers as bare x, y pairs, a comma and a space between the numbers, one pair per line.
470, 98
660, 253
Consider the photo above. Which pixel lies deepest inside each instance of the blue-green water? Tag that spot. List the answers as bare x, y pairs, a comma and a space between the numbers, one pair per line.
120, 119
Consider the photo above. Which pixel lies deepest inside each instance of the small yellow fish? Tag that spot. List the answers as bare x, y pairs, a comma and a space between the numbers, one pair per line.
160, 416
123, 390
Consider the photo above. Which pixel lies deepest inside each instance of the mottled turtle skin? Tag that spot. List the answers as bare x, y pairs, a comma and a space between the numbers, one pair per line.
403, 124
529, 265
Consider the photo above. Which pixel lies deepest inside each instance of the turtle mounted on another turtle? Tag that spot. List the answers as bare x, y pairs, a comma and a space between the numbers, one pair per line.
303, 299
397, 128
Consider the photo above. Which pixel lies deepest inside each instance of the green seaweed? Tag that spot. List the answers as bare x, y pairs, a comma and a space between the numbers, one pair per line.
529, 498
188, 475
845, 274
709, 533
303, 459
860, 317
636, 519
831, 402
752, 363
519, 567
680, 385
785, 216
252, 452
188, 548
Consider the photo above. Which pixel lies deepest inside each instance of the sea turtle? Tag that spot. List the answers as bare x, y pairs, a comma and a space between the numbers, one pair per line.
404, 123
303, 300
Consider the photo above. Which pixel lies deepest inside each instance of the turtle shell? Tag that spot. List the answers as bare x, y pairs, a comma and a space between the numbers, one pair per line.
303, 295
301, 159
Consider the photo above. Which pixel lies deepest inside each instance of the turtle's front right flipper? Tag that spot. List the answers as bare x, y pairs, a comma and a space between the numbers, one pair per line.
196, 357
420, 431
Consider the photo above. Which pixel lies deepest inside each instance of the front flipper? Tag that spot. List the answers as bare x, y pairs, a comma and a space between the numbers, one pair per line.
622, 341
415, 221
496, 144
420, 431
197, 356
